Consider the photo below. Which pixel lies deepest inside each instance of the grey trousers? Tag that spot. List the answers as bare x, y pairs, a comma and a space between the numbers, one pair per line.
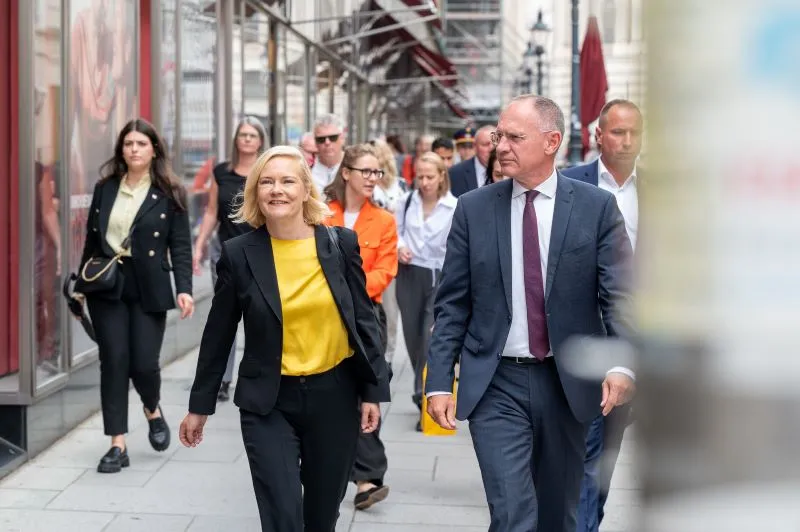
416, 288
214, 251
530, 449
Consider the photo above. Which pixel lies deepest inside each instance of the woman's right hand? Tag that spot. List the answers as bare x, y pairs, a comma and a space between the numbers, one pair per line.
404, 255
191, 431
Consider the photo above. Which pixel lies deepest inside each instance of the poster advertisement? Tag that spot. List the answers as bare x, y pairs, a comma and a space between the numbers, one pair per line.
103, 97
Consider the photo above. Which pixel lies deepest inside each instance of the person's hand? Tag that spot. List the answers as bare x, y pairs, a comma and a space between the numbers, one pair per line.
58, 260
442, 408
186, 304
191, 431
370, 417
618, 389
404, 255
197, 259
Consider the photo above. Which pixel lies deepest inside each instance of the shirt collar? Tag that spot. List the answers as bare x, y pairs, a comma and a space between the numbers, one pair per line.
143, 182
606, 176
546, 188
448, 200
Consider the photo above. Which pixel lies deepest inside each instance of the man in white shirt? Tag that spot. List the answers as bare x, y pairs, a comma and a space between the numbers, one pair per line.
619, 138
329, 138
531, 262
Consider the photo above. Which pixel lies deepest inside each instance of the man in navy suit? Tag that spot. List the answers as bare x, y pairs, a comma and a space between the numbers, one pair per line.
471, 173
619, 138
531, 261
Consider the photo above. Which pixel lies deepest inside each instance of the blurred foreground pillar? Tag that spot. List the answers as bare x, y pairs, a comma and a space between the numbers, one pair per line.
719, 299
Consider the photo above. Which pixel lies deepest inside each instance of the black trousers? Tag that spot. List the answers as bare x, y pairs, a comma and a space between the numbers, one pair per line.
301, 453
416, 290
371, 463
129, 342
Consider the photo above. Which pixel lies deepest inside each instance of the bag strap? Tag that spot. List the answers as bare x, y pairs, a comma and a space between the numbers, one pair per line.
333, 234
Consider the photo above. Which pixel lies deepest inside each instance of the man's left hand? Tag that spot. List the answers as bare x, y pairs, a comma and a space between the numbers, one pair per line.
618, 389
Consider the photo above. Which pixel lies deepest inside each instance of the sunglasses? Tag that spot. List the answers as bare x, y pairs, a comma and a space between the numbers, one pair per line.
331, 138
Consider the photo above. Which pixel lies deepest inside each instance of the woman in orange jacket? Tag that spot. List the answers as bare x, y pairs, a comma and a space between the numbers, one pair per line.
350, 196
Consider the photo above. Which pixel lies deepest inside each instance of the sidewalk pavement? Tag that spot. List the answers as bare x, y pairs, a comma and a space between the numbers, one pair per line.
435, 482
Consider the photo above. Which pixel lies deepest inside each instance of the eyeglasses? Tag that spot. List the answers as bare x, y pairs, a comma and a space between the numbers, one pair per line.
332, 138
366, 173
497, 137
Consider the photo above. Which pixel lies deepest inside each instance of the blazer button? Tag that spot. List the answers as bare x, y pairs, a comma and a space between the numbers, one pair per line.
156, 234
154, 196
97, 210
94, 229
163, 216
151, 253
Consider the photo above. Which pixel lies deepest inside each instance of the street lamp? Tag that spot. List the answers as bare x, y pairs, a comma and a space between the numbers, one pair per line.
536, 49
575, 140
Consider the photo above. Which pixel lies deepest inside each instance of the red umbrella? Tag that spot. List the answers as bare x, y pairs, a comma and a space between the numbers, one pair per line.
594, 83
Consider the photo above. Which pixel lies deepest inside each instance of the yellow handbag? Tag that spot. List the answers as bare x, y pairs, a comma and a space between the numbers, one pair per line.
429, 426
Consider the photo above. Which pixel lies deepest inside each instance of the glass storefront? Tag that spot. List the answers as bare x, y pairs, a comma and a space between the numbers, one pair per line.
78, 83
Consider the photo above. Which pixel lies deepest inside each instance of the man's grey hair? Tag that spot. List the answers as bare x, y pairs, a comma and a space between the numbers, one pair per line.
304, 136
329, 120
551, 117
484, 129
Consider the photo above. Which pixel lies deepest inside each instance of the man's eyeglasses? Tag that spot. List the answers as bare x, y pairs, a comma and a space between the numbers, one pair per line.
497, 137
332, 138
366, 173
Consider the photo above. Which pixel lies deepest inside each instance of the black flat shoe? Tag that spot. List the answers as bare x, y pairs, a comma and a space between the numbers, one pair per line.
366, 499
224, 393
159, 432
113, 461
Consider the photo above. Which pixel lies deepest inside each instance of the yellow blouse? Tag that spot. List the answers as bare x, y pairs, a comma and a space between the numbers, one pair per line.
126, 205
314, 335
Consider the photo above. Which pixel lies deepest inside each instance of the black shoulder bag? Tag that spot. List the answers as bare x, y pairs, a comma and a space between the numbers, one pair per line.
101, 274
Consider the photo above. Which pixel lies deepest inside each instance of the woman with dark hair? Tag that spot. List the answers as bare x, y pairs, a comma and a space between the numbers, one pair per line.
249, 141
493, 171
138, 212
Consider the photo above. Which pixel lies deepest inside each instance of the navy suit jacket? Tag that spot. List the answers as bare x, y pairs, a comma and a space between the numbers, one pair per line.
462, 177
588, 173
588, 274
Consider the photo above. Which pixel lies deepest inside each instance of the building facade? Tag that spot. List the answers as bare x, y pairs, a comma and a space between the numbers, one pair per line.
72, 73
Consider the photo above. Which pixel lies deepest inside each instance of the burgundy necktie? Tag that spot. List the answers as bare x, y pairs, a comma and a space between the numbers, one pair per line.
538, 340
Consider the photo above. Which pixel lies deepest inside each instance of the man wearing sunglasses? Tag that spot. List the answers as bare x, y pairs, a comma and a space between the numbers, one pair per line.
329, 138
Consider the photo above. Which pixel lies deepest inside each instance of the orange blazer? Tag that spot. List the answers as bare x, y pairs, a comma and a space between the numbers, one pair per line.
377, 238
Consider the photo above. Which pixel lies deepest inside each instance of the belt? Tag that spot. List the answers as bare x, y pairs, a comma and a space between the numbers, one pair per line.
528, 361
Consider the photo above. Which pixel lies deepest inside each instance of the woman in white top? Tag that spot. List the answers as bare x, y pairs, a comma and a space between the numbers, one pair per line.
423, 222
386, 195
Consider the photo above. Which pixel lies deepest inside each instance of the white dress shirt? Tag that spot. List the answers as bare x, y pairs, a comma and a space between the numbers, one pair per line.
388, 198
480, 172
425, 238
627, 198
323, 175
543, 204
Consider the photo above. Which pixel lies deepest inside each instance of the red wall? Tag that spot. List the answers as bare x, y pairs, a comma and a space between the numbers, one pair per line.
9, 187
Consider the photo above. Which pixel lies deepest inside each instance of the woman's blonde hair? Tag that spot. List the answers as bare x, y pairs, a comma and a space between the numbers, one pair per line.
247, 210
430, 157
335, 191
387, 164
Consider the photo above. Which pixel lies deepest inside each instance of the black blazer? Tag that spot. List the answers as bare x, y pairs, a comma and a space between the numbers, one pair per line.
247, 286
160, 243
463, 177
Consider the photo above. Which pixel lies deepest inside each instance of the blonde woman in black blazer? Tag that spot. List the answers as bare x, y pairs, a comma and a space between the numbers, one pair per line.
137, 191
312, 347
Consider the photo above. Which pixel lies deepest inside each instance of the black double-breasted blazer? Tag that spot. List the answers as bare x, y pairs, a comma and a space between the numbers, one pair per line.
247, 286
160, 243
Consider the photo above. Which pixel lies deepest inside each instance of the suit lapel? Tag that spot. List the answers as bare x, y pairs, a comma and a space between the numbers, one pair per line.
472, 180
561, 213
328, 257
502, 216
262, 264
151, 200
109, 195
